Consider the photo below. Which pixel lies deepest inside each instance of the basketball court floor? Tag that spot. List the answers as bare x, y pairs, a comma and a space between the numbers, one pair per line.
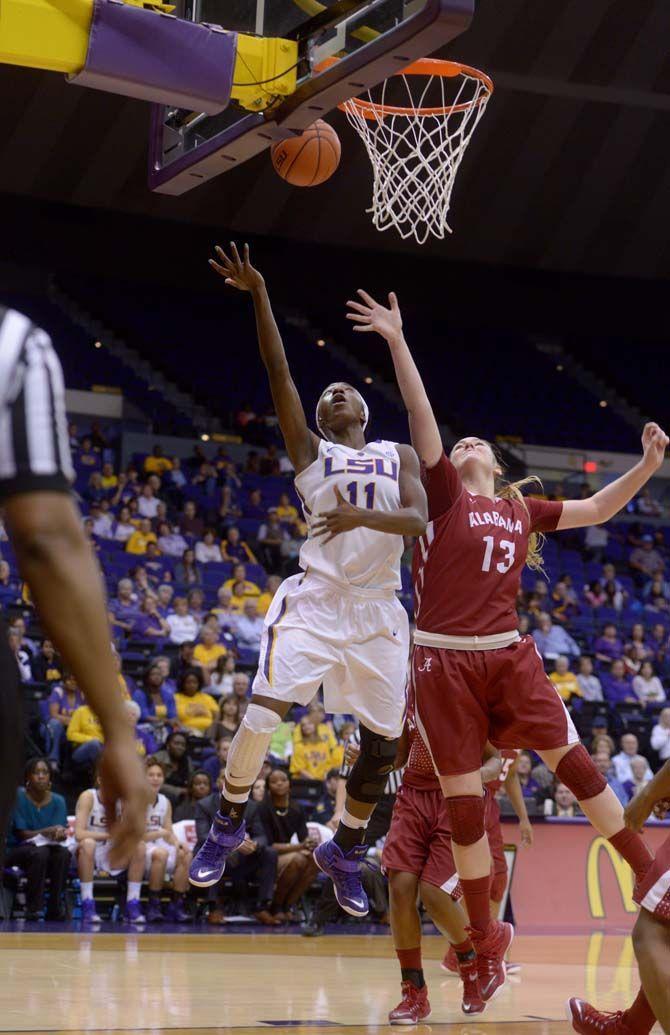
245, 982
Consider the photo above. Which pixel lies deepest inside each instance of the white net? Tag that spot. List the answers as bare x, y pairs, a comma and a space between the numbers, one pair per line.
416, 131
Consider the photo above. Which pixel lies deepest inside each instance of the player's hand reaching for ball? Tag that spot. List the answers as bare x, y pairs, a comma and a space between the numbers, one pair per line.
342, 518
654, 444
369, 315
237, 272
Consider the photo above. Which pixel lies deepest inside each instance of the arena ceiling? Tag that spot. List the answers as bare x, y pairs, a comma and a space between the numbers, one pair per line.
569, 170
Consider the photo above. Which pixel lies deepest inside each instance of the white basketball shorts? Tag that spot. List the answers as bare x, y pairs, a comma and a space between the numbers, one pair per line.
171, 859
355, 642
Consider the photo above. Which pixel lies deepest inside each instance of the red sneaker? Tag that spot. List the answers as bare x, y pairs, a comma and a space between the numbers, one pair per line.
491, 949
450, 961
472, 995
413, 1007
588, 1021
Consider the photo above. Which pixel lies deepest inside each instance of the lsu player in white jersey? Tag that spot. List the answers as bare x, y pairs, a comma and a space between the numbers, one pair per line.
94, 845
339, 622
165, 856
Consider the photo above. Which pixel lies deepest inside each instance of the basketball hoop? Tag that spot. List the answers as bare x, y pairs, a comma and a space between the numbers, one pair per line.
416, 149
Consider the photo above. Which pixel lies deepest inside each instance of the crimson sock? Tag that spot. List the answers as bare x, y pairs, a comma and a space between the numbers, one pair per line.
634, 849
640, 1017
477, 894
464, 949
411, 966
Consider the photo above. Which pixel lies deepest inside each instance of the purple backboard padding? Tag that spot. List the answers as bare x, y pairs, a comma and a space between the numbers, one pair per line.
431, 28
159, 58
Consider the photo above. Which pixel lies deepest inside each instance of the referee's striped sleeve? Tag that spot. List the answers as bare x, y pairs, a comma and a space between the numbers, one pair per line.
394, 781
34, 444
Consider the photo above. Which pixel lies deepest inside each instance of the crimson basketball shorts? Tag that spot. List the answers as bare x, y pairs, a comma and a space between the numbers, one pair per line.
466, 697
653, 891
497, 847
419, 840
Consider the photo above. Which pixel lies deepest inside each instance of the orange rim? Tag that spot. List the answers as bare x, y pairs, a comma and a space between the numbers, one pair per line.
425, 67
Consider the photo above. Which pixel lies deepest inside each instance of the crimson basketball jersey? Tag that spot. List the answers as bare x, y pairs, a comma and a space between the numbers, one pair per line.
509, 757
467, 565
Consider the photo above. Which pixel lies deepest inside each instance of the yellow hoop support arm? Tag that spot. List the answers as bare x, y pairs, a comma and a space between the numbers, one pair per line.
53, 35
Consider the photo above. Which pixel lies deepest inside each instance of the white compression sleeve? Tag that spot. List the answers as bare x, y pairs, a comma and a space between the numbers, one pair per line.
248, 749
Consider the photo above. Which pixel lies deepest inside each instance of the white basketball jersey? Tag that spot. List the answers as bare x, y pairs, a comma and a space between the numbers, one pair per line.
97, 819
157, 813
366, 477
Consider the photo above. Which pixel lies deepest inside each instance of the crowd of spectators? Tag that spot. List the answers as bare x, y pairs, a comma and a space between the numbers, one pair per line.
193, 552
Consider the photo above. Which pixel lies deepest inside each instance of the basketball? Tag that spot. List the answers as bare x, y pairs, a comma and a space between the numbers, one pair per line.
311, 158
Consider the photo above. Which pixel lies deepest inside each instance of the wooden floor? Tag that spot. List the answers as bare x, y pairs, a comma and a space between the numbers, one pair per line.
248, 982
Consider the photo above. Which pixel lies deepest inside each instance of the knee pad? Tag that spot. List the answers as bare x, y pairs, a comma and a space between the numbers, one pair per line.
258, 719
577, 771
498, 885
466, 818
368, 776
250, 744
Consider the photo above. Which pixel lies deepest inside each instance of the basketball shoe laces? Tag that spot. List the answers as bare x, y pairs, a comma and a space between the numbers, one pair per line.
349, 871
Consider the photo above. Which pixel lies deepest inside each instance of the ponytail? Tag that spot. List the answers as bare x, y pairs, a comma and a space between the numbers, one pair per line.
512, 491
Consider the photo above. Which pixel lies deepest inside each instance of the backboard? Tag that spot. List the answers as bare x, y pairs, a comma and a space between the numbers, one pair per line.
372, 39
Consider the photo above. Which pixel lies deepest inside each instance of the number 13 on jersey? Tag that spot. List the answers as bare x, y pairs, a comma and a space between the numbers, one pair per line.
508, 560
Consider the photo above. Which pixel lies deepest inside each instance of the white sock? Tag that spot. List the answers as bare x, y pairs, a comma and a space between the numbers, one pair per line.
134, 889
353, 821
86, 888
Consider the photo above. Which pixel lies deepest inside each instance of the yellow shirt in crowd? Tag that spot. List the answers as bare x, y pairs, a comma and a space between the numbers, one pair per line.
264, 601
566, 684
288, 514
209, 655
157, 465
250, 588
189, 709
137, 543
316, 759
84, 726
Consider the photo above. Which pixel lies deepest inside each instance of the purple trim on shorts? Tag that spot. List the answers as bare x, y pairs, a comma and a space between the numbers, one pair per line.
271, 639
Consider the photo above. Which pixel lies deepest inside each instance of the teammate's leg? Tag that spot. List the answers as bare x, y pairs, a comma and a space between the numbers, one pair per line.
176, 910
406, 932
450, 919
574, 767
136, 868
157, 869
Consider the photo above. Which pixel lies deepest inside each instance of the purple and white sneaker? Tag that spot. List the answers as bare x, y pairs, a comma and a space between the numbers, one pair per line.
210, 862
133, 914
176, 912
345, 872
88, 913
154, 911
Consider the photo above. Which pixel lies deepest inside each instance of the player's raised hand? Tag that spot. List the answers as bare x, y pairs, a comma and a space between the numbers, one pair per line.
654, 444
342, 518
237, 271
369, 315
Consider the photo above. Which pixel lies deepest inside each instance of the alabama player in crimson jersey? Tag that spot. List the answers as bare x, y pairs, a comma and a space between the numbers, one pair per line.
651, 934
419, 862
475, 677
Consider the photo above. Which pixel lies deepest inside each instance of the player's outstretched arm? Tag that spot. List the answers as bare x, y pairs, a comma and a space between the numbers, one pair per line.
410, 519
56, 560
369, 315
302, 445
604, 504
655, 793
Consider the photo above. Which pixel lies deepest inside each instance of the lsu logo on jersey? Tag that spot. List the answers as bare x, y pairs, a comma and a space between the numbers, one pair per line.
369, 465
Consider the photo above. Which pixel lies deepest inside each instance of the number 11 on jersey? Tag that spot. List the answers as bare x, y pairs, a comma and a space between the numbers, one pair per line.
369, 490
